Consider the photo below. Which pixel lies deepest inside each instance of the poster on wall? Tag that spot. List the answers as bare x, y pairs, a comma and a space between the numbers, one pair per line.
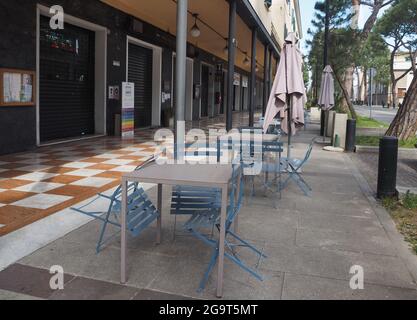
17, 88
245, 82
128, 110
236, 79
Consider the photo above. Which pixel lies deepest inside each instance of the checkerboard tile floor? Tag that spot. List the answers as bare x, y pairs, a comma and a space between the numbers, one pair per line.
36, 184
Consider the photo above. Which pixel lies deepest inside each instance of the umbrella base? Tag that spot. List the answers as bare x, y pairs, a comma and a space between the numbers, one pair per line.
333, 149
324, 141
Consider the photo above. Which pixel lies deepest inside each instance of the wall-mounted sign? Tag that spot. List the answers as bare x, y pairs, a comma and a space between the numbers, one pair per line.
236, 80
197, 91
116, 63
128, 110
166, 96
17, 87
245, 82
114, 93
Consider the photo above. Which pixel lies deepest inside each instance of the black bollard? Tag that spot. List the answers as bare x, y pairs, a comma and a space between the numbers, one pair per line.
387, 168
351, 135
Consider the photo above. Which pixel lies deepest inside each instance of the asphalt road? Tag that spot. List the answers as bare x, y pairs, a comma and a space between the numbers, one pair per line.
378, 113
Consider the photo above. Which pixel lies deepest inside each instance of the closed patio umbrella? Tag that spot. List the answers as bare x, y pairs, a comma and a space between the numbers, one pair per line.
326, 99
288, 96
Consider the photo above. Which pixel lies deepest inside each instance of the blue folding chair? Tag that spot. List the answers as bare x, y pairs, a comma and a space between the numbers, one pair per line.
203, 220
265, 148
187, 200
294, 167
141, 212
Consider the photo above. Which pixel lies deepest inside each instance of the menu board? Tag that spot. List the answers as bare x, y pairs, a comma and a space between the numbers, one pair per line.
128, 110
17, 87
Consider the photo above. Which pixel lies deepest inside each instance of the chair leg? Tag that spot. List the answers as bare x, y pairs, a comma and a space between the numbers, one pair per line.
175, 227
247, 244
102, 232
209, 269
244, 266
302, 184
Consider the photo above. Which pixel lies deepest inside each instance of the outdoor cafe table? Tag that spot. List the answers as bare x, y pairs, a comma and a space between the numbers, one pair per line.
206, 175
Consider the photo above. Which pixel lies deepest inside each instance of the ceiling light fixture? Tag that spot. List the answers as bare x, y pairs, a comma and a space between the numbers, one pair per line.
195, 30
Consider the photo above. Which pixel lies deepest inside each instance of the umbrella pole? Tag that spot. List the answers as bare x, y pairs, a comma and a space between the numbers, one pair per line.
289, 104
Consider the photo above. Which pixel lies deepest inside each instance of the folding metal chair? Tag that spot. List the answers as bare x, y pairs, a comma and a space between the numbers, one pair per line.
265, 150
187, 200
273, 166
201, 221
140, 210
294, 167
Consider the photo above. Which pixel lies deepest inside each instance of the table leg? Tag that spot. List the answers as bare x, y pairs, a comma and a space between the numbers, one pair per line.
221, 242
123, 233
159, 222
236, 222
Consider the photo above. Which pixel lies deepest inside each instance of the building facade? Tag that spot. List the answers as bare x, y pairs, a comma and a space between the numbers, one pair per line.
402, 65
79, 70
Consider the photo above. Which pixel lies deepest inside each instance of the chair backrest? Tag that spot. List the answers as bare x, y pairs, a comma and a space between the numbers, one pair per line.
117, 194
273, 146
307, 155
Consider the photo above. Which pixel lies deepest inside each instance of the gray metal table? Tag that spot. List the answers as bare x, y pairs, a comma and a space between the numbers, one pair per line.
217, 176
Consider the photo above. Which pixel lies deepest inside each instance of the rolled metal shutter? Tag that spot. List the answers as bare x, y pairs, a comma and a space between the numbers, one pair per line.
66, 92
140, 73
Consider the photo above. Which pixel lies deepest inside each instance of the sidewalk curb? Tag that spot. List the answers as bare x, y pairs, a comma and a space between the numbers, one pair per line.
371, 149
402, 247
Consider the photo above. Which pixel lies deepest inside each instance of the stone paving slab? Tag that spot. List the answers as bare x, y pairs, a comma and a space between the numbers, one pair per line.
311, 244
367, 163
13, 296
301, 287
20, 282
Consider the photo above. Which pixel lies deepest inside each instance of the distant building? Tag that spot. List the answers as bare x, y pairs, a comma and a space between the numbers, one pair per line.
402, 63
362, 89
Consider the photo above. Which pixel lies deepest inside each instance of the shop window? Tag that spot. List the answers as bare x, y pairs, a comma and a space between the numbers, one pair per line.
402, 92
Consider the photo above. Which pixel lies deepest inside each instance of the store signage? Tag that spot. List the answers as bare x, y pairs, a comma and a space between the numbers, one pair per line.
114, 92
236, 80
128, 110
245, 82
57, 19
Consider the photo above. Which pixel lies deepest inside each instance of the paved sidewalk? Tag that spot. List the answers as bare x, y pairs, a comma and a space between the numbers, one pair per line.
311, 244
367, 162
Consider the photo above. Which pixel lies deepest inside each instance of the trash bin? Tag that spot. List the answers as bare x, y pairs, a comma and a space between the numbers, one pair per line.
387, 167
351, 135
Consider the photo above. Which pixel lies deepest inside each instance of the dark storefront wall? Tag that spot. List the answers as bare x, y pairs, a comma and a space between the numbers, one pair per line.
140, 73
18, 51
66, 82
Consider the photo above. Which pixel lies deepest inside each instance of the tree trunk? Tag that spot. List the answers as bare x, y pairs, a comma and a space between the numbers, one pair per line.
394, 94
365, 86
347, 87
393, 78
346, 94
404, 126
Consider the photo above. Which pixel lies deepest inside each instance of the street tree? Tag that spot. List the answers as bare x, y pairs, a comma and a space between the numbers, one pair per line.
347, 39
398, 27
